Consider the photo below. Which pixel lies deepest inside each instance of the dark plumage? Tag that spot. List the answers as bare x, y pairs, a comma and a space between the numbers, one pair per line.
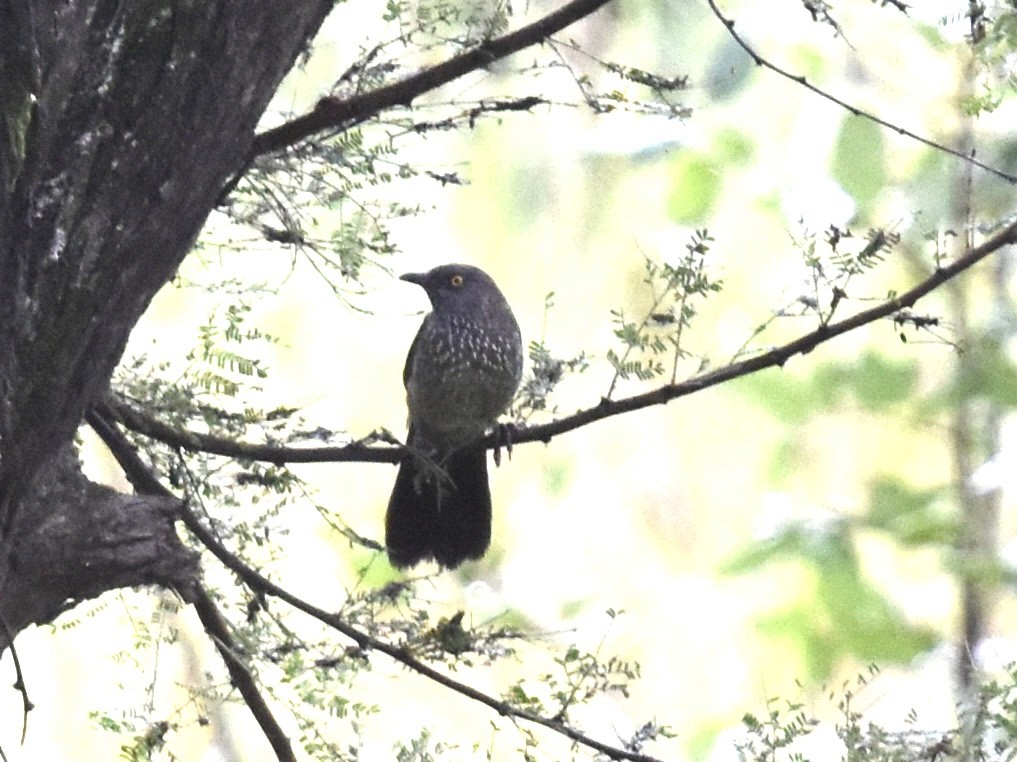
461, 373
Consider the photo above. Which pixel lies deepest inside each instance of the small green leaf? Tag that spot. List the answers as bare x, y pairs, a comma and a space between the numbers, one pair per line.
890, 499
694, 188
859, 161
879, 382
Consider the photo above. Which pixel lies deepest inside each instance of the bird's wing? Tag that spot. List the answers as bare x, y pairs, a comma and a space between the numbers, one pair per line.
408, 367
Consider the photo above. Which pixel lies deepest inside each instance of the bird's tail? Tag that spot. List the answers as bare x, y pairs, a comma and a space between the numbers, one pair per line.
441, 514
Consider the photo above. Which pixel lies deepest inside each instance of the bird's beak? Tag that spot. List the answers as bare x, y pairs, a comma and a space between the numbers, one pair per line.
417, 278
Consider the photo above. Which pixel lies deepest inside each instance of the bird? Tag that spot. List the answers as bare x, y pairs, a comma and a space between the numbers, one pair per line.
461, 373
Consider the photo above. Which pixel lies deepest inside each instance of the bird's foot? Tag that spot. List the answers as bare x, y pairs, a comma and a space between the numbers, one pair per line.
503, 435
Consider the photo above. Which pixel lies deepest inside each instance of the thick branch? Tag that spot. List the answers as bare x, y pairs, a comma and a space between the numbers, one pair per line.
145, 481
332, 112
74, 540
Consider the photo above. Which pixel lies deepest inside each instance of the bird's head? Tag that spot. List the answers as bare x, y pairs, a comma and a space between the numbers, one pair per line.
456, 286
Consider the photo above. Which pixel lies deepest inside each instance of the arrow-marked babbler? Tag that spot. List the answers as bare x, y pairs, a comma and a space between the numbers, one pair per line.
461, 373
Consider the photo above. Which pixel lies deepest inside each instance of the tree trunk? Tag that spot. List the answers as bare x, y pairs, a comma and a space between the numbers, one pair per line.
119, 125
74, 539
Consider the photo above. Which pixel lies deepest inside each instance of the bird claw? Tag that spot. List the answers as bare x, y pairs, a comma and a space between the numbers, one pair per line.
503, 434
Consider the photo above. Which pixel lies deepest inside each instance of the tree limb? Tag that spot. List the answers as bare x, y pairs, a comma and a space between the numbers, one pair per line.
142, 422
148, 425
142, 477
145, 483
75, 539
331, 112
218, 630
778, 356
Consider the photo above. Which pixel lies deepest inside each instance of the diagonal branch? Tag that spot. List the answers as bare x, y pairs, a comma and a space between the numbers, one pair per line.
779, 355
332, 112
217, 627
144, 480
729, 24
212, 620
148, 425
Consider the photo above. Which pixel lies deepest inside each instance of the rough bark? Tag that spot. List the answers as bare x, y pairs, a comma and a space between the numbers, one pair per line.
74, 539
119, 125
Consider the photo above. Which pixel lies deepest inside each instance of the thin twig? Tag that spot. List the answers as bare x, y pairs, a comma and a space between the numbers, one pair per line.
143, 479
19, 683
799, 79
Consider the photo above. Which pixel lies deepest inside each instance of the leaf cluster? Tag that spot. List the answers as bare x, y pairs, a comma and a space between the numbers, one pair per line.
986, 732
652, 343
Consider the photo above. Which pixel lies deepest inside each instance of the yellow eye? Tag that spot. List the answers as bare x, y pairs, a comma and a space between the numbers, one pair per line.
456, 280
